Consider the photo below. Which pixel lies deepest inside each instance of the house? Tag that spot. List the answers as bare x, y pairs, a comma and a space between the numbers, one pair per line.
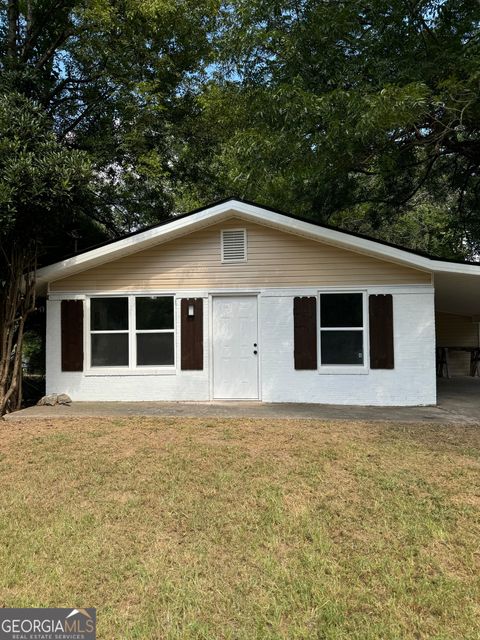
237, 301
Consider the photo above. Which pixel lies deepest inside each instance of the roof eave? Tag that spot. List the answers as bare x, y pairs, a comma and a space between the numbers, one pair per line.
255, 213
131, 244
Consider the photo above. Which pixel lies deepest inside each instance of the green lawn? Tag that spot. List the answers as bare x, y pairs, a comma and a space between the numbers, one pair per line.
206, 529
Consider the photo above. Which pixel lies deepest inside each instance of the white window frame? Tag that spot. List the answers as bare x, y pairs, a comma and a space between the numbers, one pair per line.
344, 369
132, 368
243, 260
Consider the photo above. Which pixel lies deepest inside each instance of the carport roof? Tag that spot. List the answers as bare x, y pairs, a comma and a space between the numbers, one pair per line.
457, 293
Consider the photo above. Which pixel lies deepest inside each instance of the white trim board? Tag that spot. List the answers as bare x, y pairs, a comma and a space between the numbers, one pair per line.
398, 289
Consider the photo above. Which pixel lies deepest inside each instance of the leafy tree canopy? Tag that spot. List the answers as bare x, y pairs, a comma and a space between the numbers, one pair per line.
115, 80
43, 185
362, 114
367, 114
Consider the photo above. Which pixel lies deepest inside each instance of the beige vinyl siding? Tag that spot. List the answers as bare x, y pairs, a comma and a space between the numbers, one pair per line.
274, 258
456, 331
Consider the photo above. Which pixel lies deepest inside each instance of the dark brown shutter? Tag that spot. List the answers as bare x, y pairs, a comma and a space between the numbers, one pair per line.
381, 331
72, 335
305, 332
192, 334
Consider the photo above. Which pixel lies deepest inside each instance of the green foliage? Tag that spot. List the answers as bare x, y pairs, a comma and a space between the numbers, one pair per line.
42, 183
331, 107
33, 354
115, 80
423, 226
365, 113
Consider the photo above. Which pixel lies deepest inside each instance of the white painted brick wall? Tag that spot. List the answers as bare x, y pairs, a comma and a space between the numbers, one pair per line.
184, 385
412, 382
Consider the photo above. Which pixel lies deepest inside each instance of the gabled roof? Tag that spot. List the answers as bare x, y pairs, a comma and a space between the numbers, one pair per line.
182, 225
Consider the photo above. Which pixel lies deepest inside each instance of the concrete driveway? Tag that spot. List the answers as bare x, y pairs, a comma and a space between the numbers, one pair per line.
458, 402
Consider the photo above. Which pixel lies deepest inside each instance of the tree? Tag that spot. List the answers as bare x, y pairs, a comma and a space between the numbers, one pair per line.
115, 79
42, 186
353, 111
91, 96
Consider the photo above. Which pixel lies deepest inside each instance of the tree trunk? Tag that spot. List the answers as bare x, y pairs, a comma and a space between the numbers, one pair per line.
17, 300
12, 28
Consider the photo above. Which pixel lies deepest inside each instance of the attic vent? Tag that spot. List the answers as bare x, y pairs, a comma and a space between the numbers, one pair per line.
234, 245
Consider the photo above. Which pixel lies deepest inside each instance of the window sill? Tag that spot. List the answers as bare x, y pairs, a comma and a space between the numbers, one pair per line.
344, 370
120, 371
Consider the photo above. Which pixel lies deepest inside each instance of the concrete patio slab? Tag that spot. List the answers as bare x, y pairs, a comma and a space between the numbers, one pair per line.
458, 402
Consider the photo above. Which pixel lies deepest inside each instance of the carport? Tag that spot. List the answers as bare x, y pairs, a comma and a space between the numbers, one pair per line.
457, 324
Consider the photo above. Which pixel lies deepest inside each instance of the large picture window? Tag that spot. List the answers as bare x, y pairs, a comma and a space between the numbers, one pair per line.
341, 329
132, 331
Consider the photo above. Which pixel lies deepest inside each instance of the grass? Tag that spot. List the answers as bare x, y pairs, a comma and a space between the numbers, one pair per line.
230, 529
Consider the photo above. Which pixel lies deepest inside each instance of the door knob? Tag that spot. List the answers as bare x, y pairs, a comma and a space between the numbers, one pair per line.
255, 352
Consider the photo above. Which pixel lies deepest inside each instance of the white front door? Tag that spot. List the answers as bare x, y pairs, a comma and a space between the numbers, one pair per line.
235, 337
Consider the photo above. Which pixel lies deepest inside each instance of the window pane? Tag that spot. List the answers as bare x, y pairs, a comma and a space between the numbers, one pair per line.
155, 348
154, 313
341, 310
108, 314
342, 347
109, 349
